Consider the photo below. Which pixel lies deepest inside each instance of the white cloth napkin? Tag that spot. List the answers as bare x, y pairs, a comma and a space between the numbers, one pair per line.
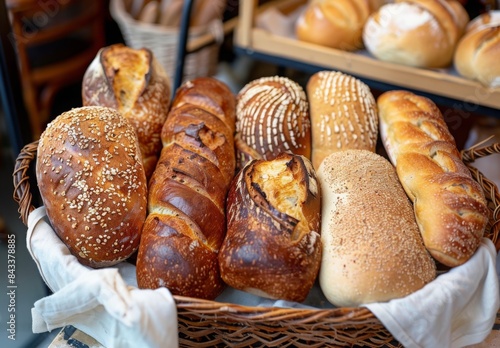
457, 309
104, 303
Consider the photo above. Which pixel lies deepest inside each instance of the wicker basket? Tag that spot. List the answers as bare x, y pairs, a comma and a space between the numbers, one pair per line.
163, 42
205, 323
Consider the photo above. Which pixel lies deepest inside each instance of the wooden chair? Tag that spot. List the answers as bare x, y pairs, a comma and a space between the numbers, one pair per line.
55, 41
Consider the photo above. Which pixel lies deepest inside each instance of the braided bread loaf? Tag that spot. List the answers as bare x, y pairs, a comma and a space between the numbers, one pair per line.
449, 205
186, 203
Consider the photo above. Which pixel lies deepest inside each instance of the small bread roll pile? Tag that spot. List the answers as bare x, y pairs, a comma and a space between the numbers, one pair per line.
477, 53
419, 33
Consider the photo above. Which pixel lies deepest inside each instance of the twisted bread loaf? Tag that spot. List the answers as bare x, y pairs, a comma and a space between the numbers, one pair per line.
449, 205
186, 203
133, 82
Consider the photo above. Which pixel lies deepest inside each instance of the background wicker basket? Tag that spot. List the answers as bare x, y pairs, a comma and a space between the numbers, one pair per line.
163, 42
205, 323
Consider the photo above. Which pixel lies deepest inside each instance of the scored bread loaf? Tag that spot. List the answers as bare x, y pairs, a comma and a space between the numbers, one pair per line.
92, 183
449, 205
272, 247
372, 248
186, 221
477, 53
333, 23
343, 114
133, 82
272, 116
420, 33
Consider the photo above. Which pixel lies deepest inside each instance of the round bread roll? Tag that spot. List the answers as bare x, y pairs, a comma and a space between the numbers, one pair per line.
135, 83
477, 53
334, 23
488, 18
92, 183
272, 247
372, 248
417, 33
272, 116
343, 114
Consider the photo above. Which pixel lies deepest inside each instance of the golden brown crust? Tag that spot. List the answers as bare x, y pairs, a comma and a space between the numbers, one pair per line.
272, 247
93, 184
421, 33
449, 205
133, 82
476, 56
343, 114
372, 248
334, 23
186, 223
272, 117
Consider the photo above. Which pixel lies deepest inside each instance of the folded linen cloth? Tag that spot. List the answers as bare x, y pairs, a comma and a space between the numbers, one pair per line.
457, 309
104, 303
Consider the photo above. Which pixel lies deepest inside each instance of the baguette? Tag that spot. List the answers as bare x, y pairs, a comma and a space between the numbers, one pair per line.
186, 222
449, 205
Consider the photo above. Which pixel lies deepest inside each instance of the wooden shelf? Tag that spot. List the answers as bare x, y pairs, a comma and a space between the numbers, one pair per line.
445, 82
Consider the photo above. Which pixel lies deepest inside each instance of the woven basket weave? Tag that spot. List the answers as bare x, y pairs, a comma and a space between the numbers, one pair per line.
163, 42
204, 323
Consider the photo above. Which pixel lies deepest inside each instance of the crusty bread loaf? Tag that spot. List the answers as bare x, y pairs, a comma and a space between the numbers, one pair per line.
477, 53
272, 117
92, 182
449, 205
372, 248
186, 223
343, 114
461, 15
333, 23
133, 82
273, 247
420, 33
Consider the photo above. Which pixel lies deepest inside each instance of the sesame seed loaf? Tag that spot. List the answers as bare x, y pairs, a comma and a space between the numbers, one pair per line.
186, 204
449, 204
372, 248
273, 247
92, 183
272, 116
343, 114
133, 82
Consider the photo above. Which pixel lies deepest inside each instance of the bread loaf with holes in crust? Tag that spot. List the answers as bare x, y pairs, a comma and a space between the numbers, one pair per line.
272, 116
272, 248
186, 221
133, 82
343, 114
450, 206
92, 183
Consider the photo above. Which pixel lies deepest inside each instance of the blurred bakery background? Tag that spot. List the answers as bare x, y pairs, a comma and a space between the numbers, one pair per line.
48, 44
